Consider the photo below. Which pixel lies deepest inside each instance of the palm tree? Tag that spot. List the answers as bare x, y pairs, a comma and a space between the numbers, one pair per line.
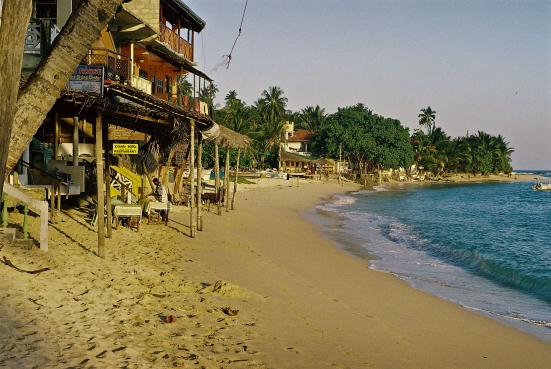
207, 94
272, 104
426, 118
184, 86
313, 119
231, 96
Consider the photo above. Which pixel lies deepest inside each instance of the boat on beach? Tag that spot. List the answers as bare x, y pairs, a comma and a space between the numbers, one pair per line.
539, 186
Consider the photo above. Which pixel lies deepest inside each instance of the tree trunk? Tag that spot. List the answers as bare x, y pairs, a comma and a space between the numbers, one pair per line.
43, 87
15, 17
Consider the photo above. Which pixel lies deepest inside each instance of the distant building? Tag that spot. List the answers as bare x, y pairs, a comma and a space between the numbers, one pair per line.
298, 141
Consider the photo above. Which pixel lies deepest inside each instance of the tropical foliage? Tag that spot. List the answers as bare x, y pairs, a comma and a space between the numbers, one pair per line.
439, 154
365, 139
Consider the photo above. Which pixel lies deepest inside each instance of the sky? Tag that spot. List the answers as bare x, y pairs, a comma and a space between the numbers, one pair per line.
481, 65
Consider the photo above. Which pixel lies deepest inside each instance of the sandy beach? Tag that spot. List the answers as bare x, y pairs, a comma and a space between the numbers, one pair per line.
259, 287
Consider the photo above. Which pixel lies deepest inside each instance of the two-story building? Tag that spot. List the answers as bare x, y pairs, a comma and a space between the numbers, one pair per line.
150, 83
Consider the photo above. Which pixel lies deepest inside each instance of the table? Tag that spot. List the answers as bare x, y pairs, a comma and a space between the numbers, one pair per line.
156, 206
128, 211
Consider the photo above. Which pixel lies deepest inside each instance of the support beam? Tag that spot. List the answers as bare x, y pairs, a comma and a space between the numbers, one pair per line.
100, 181
236, 176
75, 143
227, 178
217, 179
193, 219
108, 183
199, 181
56, 136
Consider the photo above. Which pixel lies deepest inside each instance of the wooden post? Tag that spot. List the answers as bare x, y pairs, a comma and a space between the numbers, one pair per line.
75, 144
52, 202
236, 176
192, 220
56, 136
217, 178
199, 181
108, 184
99, 181
4, 210
227, 178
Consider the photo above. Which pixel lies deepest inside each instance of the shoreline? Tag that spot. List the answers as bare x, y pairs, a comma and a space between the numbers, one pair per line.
302, 301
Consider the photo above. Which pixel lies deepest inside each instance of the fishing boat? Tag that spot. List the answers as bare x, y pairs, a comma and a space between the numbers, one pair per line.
539, 186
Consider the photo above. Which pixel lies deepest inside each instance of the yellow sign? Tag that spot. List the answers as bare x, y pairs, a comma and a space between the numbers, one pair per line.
125, 149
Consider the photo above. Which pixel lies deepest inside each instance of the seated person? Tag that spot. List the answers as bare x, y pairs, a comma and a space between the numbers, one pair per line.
159, 192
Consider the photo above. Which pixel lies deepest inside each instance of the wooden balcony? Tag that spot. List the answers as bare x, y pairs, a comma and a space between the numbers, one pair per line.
141, 84
117, 66
175, 42
40, 35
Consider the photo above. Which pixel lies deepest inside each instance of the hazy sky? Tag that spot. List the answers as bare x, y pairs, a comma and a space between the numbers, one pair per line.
482, 65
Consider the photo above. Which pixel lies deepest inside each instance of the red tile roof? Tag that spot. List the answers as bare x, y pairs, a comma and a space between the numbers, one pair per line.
301, 135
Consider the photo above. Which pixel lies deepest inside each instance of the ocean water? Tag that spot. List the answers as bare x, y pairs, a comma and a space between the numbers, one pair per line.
485, 246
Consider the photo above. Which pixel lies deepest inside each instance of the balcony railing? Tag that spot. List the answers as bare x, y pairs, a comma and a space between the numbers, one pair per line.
117, 66
141, 84
40, 35
175, 42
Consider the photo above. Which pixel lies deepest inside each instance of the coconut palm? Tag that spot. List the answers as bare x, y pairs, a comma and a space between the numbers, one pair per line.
272, 104
312, 118
184, 86
426, 118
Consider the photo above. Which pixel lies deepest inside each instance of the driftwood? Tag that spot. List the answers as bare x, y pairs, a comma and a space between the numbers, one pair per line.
9, 263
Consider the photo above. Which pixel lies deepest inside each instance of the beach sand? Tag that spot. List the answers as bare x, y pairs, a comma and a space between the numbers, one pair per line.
302, 303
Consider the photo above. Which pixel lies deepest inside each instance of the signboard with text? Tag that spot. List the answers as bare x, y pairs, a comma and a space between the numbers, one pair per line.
125, 149
88, 78
124, 134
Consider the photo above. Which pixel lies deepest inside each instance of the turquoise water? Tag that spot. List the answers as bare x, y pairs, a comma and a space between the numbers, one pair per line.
486, 246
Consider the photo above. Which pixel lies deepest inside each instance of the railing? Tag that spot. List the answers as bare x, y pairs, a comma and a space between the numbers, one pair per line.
117, 66
40, 35
141, 84
175, 42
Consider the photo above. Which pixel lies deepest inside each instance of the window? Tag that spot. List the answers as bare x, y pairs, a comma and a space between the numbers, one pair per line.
159, 86
143, 74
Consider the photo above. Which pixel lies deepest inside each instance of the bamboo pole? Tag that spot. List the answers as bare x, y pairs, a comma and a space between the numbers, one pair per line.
199, 181
227, 179
99, 181
56, 136
217, 179
75, 144
236, 176
192, 220
108, 184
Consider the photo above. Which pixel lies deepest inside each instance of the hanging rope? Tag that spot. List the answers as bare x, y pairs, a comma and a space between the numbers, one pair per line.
226, 59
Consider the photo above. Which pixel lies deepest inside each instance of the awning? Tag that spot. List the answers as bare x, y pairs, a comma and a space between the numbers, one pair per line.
166, 53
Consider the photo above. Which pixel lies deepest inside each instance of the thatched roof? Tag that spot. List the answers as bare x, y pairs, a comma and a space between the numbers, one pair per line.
168, 124
229, 138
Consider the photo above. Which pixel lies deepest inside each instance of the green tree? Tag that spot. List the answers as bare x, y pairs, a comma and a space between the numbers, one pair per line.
365, 139
427, 118
313, 118
208, 94
272, 104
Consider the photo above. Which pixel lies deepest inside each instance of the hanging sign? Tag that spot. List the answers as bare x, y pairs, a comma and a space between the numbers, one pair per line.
88, 78
125, 148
